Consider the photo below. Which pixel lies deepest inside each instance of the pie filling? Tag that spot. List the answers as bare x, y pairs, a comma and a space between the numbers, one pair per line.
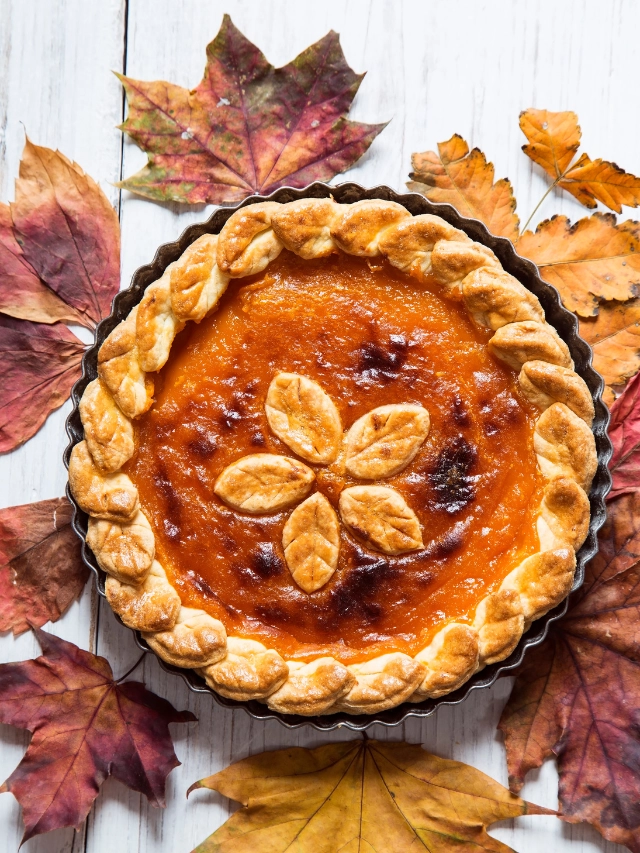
370, 336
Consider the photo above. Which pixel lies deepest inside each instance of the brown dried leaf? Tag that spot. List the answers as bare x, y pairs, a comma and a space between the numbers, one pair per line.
41, 570
264, 483
40, 365
465, 179
593, 260
311, 542
380, 517
592, 181
554, 139
385, 440
360, 796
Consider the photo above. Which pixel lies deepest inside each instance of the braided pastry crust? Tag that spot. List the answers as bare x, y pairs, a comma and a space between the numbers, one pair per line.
190, 289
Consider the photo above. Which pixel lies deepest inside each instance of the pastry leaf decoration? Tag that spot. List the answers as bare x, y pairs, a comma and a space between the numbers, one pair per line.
360, 795
247, 126
311, 542
41, 570
380, 518
59, 263
86, 726
264, 483
576, 695
385, 440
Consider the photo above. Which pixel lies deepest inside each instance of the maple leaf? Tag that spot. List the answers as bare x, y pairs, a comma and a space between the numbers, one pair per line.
465, 179
577, 695
554, 139
594, 259
614, 335
41, 570
68, 233
624, 432
85, 726
359, 795
247, 127
39, 366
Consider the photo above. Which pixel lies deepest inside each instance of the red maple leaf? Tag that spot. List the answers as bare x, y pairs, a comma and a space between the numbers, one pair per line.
85, 726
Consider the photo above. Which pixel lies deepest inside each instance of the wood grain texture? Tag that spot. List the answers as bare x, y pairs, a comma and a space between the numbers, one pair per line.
434, 68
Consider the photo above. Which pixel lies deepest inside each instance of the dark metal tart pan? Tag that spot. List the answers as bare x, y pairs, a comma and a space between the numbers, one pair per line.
563, 320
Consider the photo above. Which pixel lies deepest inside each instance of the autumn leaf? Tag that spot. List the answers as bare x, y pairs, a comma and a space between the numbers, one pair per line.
68, 232
554, 139
356, 796
85, 726
593, 260
614, 335
247, 127
577, 695
39, 366
41, 570
624, 432
466, 180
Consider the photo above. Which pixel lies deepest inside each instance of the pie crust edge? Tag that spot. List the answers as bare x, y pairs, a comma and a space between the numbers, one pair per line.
190, 288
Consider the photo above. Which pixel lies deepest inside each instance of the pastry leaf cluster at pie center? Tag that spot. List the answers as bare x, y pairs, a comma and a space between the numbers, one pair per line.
335, 459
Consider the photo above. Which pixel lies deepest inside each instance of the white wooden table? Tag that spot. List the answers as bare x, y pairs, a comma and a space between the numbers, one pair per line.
434, 67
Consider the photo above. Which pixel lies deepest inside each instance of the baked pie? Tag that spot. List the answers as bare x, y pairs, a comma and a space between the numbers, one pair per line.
335, 459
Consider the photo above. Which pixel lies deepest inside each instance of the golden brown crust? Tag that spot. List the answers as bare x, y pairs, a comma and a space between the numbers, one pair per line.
109, 496
120, 370
249, 671
544, 384
381, 683
408, 244
452, 261
108, 433
499, 621
190, 288
304, 226
247, 243
154, 605
312, 688
196, 640
450, 659
362, 225
564, 515
196, 283
565, 446
542, 581
517, 343
494, 298
123, 550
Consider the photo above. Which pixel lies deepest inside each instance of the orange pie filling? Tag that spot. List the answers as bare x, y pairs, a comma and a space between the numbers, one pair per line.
370, 336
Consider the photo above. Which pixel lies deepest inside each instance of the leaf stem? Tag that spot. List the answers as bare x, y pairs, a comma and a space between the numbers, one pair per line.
129, 671
533, 212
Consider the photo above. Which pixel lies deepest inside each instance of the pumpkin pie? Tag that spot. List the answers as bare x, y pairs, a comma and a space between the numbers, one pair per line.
335, 459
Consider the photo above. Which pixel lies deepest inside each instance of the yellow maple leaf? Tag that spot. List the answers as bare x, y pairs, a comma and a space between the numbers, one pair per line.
465, 180
593, 260
359, 796
554, 139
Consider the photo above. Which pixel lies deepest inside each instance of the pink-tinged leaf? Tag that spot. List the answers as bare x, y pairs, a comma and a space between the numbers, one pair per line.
624, 432
38, 366
41, 570
22, 294
85, 726
68, 231
247, 127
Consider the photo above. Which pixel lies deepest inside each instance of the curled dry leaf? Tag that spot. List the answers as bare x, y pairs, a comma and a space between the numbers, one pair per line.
86, 726
593, 260
263, 483
311, 542
247, 127
576, 696
554, 139
304, 416
385, 440
624, 432
465, 179
41, 570
40, 365
68, 232
380, 517
357, 796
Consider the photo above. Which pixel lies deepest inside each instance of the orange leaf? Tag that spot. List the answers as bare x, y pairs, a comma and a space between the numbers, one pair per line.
593, 260
591, 181
615, 337
466, 180
554, 139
